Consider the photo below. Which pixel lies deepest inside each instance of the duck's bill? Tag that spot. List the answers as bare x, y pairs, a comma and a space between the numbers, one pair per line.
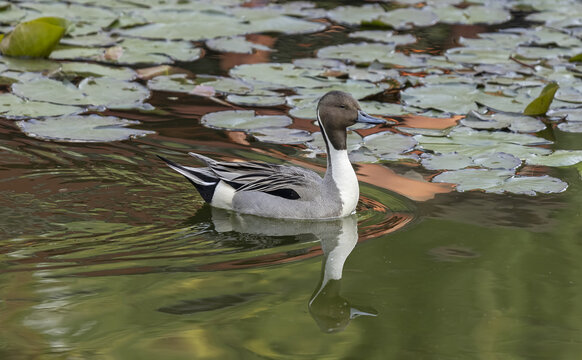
368, 119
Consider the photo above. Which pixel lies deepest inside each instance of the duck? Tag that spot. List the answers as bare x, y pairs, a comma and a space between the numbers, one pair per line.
288, 192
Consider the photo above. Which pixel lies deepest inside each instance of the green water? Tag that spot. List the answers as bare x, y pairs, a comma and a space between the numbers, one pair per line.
105, 253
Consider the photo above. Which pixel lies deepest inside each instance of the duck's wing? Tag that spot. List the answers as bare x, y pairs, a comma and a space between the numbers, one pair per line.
279, 180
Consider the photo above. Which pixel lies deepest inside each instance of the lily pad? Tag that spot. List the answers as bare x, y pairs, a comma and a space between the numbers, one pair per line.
475, 14
557, 158
497, 161
106, 92
235, 44
515, 122
282, 136
474, 179
95, 70
541, 104
243, 120
530, 185
14, 107
407, 18
79, 128
388, 143
355, 15
449, 161
256, 100
572, 127
35, 38
368, 53
384, 36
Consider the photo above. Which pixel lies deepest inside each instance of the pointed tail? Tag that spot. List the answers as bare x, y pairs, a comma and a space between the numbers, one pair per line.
202, 178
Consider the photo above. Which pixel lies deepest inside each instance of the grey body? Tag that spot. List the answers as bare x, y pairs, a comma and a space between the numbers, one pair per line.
280, 191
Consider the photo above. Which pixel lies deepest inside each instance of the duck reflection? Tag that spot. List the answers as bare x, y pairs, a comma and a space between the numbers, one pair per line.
327, 306
330, 310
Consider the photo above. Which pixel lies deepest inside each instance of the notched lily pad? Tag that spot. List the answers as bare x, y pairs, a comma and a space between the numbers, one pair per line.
282, 136
243, 120
236, 44
256, 100
531, 185
14, 107
79, 128
557, 158
514, 122
386, 144
474, 179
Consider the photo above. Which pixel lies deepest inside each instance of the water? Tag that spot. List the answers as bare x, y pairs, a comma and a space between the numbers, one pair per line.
107, 254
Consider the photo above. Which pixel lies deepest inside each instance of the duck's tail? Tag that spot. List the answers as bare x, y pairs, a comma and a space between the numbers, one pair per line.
203, 179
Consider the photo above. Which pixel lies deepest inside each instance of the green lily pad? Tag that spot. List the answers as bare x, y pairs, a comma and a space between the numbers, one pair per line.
557, 158
474, 14
497, 161
368, 53
14, 107
355, 15
515, 122
282, 136
279, 76
235, 44
256, 100
79, 128
570, 114
243, 120
530, 185
182, 83
84, 69
474, 179
384, 36
35, 38
576, 58
389, 143
572, 127
106, 92
406, 18
450, 161
541, 104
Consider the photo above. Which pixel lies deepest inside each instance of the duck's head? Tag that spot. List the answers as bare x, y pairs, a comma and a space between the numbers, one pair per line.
336, 111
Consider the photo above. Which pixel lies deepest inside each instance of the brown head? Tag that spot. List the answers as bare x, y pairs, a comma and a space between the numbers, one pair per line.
336, 111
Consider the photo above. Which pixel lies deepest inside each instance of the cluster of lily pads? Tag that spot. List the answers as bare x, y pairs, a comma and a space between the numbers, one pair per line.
490, 79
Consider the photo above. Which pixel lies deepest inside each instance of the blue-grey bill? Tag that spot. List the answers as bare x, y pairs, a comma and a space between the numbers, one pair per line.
368, 119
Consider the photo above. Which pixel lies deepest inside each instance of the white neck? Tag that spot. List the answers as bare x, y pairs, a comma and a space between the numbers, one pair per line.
341, 171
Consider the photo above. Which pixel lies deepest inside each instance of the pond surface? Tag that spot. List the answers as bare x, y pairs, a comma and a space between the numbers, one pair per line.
107, 254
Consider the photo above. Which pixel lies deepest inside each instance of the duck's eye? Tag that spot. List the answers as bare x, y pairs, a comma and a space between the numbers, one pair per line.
343, 106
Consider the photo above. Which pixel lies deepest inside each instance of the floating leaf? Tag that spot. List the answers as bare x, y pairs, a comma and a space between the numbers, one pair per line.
368, 53
14, 107
256, 100
35, 38
384, 36
449, 161
236, 44
541, 104
576, 58
243, 120
107, 92
79, 128
500, 120
497, 161
407, 18
282, 136
530, 185
387, 142
84, 69
557, 158
473, 179
572, 127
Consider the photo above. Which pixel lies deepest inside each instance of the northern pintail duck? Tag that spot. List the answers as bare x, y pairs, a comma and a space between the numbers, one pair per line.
282, 191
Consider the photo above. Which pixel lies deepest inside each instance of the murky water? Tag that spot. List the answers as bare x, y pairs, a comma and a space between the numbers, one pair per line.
107, 254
